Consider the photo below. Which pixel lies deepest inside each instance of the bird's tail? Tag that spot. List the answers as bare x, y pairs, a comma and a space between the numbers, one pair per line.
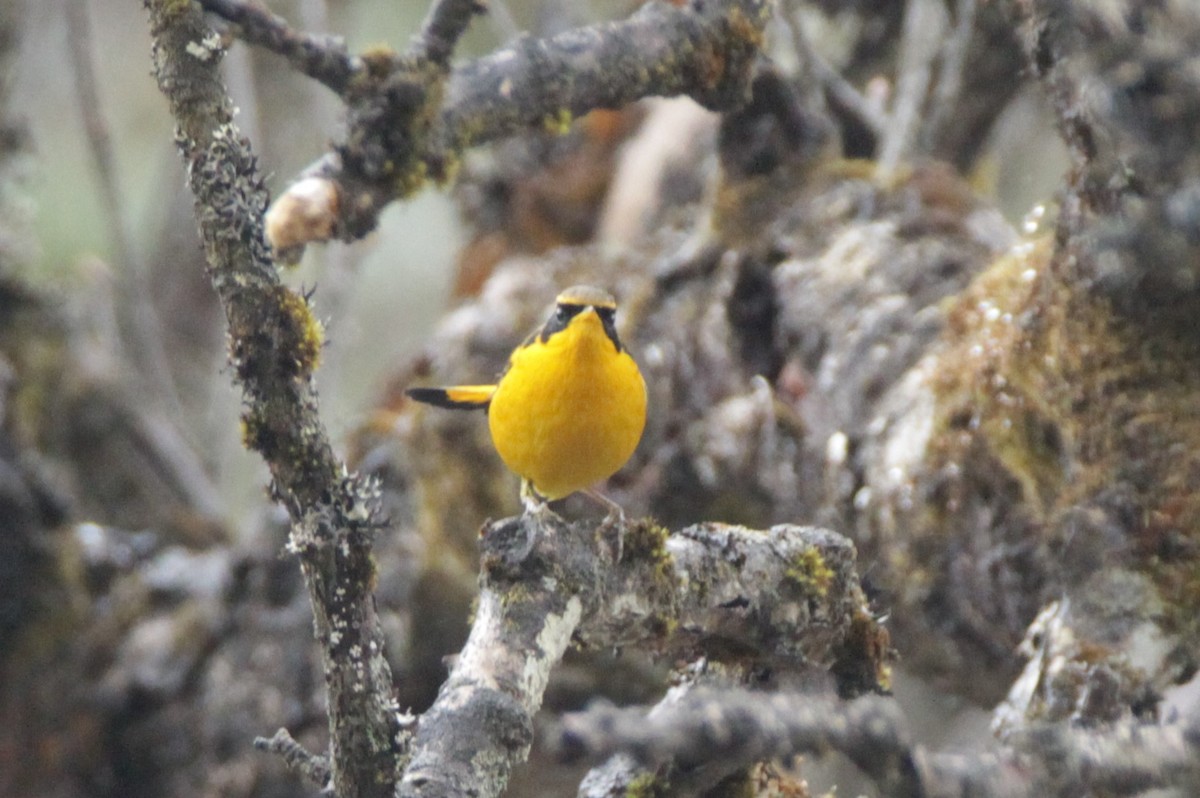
457, 397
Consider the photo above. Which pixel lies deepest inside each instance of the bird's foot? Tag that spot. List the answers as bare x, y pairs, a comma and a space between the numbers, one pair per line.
614, 519
537, 509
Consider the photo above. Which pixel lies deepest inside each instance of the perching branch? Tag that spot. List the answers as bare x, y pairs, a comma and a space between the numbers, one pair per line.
409, 120
275, 344
787, 596
747, 727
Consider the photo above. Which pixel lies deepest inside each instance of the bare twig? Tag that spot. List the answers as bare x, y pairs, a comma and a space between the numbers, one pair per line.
950, 73
504, 24
139, 328
842, 91
275, 345
79, 31
924, 26
787, 596
312, 767
444, 26
746, 727
322, 58
135, 305
175, 460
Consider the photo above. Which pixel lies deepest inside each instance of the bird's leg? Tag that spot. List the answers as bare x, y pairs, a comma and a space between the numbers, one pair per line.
615, 517
536, 510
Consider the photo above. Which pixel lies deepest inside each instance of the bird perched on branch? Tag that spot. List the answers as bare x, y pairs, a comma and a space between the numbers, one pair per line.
569, 408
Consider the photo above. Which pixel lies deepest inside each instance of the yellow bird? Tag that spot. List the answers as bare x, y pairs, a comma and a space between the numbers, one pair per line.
569, 408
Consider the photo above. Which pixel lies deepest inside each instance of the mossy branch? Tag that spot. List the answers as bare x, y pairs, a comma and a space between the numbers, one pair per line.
410, 117
275, 343
787, 596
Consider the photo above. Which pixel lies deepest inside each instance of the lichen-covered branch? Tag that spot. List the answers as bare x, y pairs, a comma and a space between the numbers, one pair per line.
621, 773
705, 51
787, 596
275, 344
323, 58
409, 120
746, 726
444, 26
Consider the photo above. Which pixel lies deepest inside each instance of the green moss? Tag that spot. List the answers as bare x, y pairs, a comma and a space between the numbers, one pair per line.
412, 180
379, 60
558, 124
750, 31
174, 8
990, 396
810, 571
646, 540
251, 430
647, 785
304, 335
1049, 393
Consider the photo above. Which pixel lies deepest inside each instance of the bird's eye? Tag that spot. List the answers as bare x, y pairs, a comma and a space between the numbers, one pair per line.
562, 314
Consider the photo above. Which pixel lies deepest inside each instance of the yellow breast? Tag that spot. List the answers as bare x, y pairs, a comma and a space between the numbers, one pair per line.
570, 409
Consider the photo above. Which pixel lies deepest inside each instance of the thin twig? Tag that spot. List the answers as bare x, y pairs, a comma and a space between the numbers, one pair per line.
924, 27
139, 328
504, 24
79, 32
322, 58
141, 332
312, 767
843, 92
443, 27
950, 73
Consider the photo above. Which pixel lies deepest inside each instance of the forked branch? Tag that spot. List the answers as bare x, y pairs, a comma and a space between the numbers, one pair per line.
410, 117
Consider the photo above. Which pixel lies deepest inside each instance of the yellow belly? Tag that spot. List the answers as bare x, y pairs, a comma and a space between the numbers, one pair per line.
569, 412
